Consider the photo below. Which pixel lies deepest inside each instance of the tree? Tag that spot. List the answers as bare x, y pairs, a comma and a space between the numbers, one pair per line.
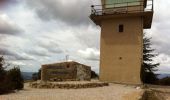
36, 76
2, 71
164, 81
2, 76
15, 79
39, 74
11, 79
148, 67
94, 75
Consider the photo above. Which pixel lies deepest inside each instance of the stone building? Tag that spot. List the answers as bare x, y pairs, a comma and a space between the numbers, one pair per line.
65, 71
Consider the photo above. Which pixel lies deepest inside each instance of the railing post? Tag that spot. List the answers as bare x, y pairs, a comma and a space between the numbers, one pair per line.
152, 5
127, 7
92, 9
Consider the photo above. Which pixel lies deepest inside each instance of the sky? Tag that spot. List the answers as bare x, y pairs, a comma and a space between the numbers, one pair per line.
36, 32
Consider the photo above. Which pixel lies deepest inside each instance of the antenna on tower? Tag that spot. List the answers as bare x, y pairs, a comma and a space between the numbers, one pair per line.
67, 58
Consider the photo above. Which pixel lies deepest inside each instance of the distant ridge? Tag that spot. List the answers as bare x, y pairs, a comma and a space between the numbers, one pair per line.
27, 75
161, 76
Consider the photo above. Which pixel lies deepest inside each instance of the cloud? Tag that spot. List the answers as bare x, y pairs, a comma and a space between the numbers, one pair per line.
51, 45
10, 55
7, 26
4, 3
72, 12
164, 70
43, 52
44, 47
8, 1
164, 59
90, 37
89, 54
6, 52
38, 52
18, 63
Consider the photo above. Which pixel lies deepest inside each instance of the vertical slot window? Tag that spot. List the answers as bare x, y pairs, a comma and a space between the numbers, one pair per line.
121, 28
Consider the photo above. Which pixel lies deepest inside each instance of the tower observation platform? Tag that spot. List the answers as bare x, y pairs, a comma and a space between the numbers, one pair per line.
143, 8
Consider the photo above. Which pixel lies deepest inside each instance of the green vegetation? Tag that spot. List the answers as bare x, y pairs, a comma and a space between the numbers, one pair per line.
9, 79
94, 75
148, 67
164, 81
36, 76
2, 76
14, 79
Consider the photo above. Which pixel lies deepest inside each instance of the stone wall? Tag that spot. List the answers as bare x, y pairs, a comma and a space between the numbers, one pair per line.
83, 72
59, 85
65, 71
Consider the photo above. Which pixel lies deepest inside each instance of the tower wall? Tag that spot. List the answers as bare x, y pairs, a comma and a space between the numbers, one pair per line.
121, 52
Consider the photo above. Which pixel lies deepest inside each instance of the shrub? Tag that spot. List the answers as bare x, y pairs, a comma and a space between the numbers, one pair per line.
35, 76
14, 79
9, 80
164, 81
2, 77
94, 75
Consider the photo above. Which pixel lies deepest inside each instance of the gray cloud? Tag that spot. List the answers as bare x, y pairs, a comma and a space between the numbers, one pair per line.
10, 55
73, 12
162, 46
50, 45
8, 27
8, 1
44, 48
89, 38
6, 52
38, 53
4, 3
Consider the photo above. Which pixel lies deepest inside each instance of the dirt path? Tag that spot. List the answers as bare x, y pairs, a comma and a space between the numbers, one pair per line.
112, 92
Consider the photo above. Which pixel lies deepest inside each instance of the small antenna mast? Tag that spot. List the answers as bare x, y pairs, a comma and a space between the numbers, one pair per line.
67, 57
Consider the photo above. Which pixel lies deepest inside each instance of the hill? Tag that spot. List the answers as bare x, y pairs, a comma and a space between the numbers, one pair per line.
27, 75
160, 76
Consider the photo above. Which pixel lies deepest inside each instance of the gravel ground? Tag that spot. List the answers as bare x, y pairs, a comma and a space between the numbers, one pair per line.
163, 90
168, 97
111, 92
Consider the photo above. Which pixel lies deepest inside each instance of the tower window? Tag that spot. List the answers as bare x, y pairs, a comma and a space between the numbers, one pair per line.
68, 66
121, 28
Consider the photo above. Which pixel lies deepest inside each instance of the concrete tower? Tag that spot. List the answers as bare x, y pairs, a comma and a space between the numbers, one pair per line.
121, 45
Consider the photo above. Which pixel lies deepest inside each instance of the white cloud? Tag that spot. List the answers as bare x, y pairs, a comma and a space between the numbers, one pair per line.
163, 59
89, 54
18, 63
163, 70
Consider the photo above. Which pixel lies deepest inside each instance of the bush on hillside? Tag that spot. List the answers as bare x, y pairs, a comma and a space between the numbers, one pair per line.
11, 79
35, 76
2, 76
94, 75
15, 79
164, 81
